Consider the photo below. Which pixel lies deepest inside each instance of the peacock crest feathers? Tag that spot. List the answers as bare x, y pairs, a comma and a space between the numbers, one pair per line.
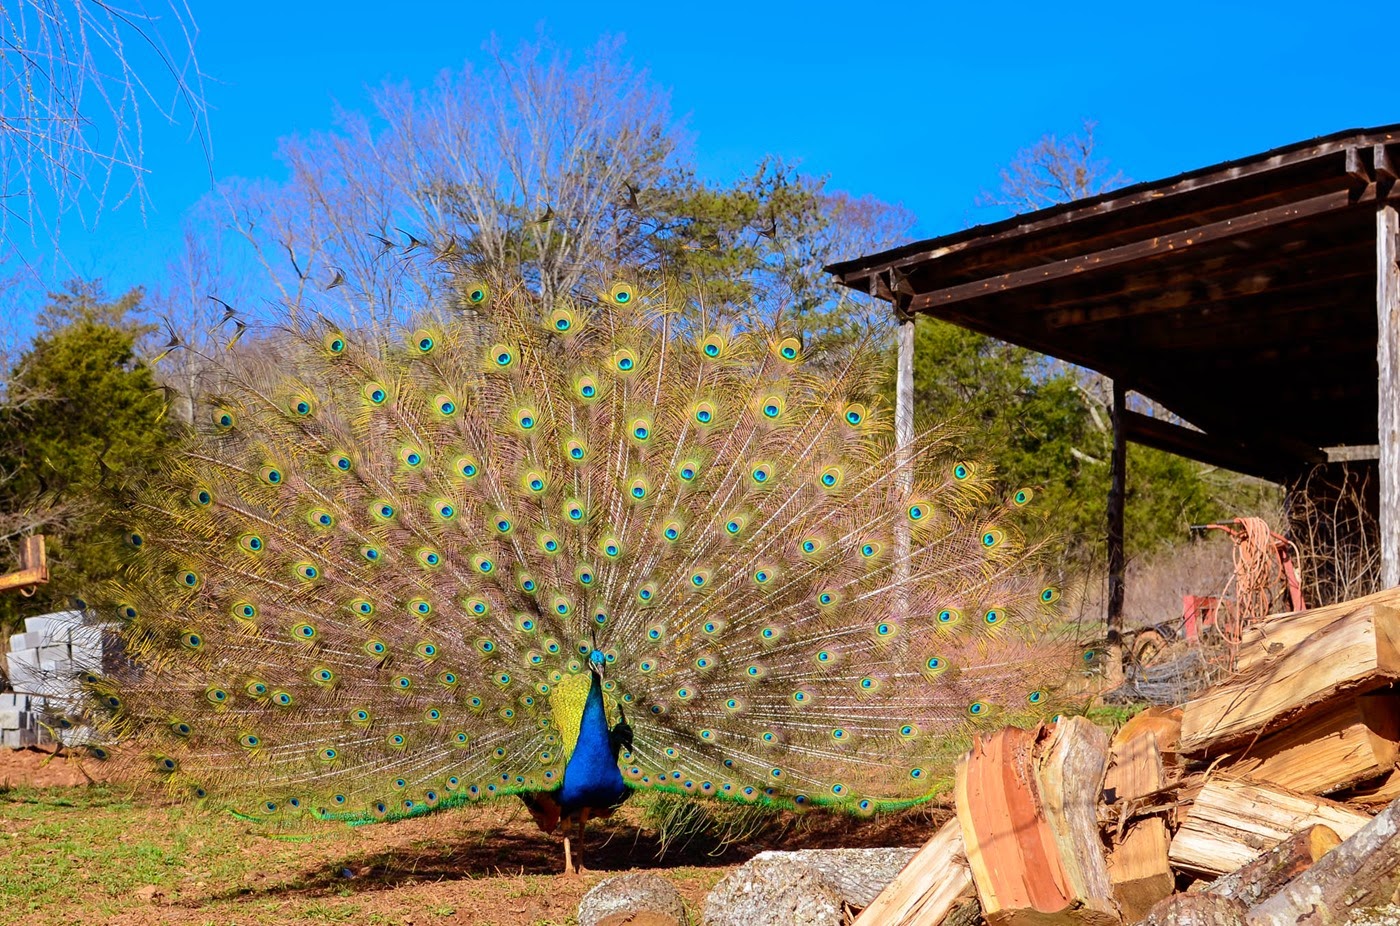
375, 582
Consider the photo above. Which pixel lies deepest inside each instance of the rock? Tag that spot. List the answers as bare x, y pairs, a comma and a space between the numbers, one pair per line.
150, 894
773, 891
638, 898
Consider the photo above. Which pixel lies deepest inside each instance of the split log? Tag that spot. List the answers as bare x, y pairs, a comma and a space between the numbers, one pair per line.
1266, 640
1359, 652
1363, 871
934, 885
1137, 865
1162, 722
1275, 868
1230, 823
1196, 910
1012, 849
1376, 793
1352, 741
1070, 770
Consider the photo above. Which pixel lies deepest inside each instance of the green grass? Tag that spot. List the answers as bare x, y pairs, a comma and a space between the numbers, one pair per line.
93, 854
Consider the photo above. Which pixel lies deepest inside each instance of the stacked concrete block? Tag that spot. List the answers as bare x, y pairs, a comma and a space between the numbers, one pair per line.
18, 724
45, 664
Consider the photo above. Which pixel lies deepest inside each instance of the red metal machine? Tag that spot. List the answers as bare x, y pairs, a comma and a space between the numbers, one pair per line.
1261, 556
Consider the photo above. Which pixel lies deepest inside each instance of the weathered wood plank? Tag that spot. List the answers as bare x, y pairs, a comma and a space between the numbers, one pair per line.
1388, 359
1123, 254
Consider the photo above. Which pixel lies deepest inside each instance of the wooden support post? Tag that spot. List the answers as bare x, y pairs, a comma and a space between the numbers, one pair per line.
1117, 496
904, 447
904, 400
1388, 359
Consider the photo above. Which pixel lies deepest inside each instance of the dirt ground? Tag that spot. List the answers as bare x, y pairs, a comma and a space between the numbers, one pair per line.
81, 852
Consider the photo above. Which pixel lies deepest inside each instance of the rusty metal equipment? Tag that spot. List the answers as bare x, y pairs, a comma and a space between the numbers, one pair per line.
33, 567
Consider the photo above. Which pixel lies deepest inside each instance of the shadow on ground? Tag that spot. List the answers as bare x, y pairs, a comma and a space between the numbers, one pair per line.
515, 847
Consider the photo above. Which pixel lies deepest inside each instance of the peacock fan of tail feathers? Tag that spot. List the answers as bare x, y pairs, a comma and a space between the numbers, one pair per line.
566, 550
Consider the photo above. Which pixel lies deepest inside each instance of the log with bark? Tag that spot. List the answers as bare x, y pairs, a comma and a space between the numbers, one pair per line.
1271, 871
1362, 872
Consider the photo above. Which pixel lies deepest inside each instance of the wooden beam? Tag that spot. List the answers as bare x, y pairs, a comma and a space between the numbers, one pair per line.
1266, 462
1117, 496
33, 567
1357, 171
1388, 390
1387, 164
1140, 250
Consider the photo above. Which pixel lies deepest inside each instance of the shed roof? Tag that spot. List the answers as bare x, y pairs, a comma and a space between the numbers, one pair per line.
1240, 296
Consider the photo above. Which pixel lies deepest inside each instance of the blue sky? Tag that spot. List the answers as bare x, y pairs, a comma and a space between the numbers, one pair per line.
912, 103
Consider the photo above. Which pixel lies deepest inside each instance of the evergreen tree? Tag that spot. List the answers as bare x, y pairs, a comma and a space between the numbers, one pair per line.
1038, 426
92, 428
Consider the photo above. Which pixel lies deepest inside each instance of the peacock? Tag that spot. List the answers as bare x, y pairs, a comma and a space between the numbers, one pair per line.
566, 548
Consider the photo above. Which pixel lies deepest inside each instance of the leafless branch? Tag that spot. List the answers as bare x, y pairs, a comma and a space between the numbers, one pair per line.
77, 78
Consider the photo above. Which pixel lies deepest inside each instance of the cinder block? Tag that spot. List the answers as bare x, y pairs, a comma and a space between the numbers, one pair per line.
10, 718
54, 627
86, 635
11, 699
26, 657
54, 652
18, 739
22, 641
24, 675
43, 631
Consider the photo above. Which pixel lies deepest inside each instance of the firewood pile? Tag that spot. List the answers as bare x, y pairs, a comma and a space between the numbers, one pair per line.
1269, 799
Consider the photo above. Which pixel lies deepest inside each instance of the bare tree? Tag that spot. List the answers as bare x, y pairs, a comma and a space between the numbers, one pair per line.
77, 78
1054, 171
536, 167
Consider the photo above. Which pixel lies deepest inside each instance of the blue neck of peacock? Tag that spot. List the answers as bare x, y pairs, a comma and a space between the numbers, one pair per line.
591, 777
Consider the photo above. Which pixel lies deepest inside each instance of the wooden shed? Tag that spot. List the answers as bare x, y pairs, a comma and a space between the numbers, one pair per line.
1258, 300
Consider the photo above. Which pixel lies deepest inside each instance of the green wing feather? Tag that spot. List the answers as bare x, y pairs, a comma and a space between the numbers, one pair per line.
374, 582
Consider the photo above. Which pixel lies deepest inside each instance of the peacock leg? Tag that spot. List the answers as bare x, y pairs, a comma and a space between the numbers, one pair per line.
568, 858
582, 825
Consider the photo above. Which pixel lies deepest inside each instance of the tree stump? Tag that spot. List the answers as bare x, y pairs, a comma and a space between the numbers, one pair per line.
858, 875
638, 898
1196, 910
775, 891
